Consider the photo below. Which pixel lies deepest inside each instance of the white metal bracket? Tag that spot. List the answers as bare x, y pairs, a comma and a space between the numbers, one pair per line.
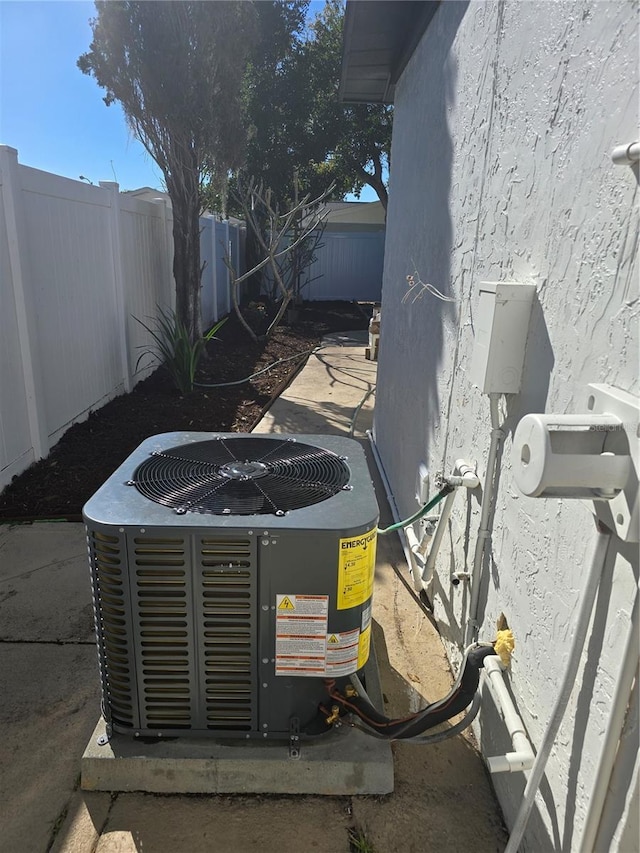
621, 513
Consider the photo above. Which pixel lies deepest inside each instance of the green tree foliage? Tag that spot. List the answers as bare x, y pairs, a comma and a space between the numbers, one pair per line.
177, 69
295, 122
357, 136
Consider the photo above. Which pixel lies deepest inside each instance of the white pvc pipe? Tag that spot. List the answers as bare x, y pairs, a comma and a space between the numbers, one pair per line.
484, 533
522, 757
411, 545
579, 636
416, 560
429, 565
624, 785
626, 155
615, 724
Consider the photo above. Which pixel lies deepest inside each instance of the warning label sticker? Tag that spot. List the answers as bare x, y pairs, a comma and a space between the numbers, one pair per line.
342, 652
301, 634
356, 567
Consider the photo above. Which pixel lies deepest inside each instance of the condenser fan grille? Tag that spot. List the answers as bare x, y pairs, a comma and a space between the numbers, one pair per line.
241, 476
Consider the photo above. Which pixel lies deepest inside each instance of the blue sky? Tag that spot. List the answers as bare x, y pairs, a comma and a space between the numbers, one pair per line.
52, 113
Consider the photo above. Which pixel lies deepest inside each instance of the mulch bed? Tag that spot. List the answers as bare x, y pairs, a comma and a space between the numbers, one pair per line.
57, 487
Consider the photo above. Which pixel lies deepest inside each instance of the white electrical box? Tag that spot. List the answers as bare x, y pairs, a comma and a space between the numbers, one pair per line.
501, 327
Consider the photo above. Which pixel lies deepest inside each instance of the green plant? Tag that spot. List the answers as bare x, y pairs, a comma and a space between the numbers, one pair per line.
172, 347
358, 842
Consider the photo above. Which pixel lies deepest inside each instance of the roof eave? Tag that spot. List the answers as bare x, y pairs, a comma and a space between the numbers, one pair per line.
379, 38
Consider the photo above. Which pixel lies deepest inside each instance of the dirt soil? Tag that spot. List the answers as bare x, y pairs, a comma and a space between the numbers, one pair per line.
89, 452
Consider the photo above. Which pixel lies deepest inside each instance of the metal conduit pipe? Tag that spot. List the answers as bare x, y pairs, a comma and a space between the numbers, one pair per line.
522, 757
484, 533
579, 636
417, 584
383, 477
615, 724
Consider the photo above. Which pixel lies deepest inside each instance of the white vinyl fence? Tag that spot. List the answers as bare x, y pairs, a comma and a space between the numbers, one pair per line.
348, 265
77, 264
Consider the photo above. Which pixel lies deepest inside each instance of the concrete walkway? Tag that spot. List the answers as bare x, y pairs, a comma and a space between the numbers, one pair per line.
49, 700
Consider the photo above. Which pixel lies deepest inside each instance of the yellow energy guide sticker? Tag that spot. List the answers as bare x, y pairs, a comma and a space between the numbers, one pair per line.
363, 647
356, 567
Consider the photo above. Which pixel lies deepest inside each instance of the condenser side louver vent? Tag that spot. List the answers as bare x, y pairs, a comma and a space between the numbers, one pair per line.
111, 604
162, 595
192, 604
227, 610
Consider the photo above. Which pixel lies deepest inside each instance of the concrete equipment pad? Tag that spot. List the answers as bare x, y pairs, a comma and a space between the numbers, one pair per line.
344, 761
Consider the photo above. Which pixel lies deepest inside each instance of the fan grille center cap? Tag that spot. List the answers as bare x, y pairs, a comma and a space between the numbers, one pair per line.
243, 470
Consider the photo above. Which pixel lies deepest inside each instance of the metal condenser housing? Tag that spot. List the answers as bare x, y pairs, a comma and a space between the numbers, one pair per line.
232, 576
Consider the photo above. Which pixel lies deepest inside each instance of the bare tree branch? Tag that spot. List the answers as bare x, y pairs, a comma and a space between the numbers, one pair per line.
276, 243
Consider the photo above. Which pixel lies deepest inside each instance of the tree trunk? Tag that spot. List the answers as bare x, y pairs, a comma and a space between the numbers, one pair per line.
186, 255
375, 182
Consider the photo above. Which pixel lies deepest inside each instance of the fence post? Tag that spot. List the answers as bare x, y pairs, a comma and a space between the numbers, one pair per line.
227, 250
167, 236
118, 278
12, 203
236, 260
214, 267
208, 255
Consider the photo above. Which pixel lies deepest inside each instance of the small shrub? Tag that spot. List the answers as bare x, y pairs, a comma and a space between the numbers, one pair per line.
358, 842
172, 347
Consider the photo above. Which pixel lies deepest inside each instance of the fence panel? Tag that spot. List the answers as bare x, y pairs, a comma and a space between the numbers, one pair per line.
347, 266
71, 273
77, 264
208, 300
223, 295
148, 278
16, 447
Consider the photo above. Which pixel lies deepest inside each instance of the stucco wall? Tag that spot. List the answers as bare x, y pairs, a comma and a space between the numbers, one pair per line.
505, 119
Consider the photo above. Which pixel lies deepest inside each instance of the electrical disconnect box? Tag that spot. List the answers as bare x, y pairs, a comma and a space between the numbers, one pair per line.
501, 327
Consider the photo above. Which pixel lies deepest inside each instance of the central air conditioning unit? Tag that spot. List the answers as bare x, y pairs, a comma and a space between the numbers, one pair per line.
232, 576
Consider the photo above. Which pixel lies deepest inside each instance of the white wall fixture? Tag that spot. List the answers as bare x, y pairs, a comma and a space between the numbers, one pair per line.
422, 484
501, 328
626, 155
593, 456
